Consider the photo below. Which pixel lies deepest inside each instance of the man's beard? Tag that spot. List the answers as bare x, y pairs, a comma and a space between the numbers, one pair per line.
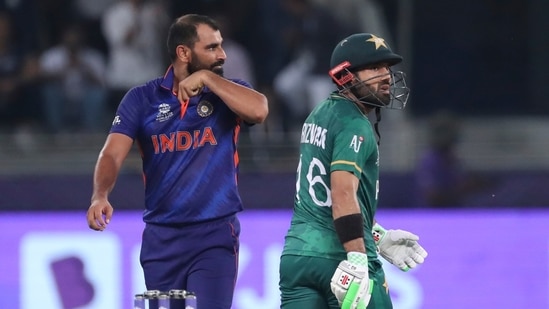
196, 65
366, 93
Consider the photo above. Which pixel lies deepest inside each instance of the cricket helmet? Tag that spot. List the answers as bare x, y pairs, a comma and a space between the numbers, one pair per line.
359, 51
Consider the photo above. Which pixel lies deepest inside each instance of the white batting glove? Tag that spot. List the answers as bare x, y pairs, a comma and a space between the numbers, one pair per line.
350, 283
399, 247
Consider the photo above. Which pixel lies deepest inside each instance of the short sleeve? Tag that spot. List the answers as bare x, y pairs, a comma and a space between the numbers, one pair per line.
127, 118
354, 145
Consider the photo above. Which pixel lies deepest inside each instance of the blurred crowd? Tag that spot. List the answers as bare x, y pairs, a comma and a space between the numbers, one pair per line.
65, 64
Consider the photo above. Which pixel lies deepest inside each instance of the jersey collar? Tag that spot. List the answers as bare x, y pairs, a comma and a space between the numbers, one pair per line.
169, 76
167, 81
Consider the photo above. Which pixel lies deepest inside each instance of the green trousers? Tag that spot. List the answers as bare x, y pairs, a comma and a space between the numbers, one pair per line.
305, 284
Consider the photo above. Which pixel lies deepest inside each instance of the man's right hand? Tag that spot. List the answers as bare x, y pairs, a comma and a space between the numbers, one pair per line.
99, 215
351, 283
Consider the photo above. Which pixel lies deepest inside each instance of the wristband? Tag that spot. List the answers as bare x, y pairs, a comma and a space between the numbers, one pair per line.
349, 227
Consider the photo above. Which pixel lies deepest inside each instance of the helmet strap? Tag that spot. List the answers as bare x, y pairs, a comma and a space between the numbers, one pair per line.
376, 124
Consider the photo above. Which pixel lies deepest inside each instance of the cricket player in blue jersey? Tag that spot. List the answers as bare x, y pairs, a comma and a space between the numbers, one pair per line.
186, 125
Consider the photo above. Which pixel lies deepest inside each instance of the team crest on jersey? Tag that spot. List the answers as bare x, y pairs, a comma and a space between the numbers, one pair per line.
164, 112
204, 109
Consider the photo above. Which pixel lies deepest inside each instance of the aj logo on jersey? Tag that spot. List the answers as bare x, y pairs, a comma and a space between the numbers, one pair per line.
356, 142
116, 120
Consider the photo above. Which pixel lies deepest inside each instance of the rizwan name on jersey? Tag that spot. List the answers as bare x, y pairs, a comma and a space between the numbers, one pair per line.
314, 134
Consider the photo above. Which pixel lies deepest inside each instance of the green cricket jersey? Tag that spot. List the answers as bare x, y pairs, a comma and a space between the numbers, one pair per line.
336, 136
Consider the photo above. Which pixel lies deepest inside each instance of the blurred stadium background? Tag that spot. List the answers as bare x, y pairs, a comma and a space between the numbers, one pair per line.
484, 61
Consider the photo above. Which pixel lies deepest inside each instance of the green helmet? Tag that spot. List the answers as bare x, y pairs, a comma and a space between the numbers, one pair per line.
361, 50
357, 52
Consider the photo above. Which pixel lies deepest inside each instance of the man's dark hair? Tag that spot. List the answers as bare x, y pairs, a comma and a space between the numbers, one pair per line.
183, 31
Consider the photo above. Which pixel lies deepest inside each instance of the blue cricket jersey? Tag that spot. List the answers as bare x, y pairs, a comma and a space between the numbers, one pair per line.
190, 160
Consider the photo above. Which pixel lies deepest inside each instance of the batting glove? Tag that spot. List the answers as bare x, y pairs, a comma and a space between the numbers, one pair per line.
399, 247
350, 283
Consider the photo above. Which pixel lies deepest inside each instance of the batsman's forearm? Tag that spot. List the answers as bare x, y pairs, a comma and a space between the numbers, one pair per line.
105, 175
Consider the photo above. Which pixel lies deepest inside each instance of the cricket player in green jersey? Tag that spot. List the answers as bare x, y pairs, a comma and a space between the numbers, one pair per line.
330, 256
